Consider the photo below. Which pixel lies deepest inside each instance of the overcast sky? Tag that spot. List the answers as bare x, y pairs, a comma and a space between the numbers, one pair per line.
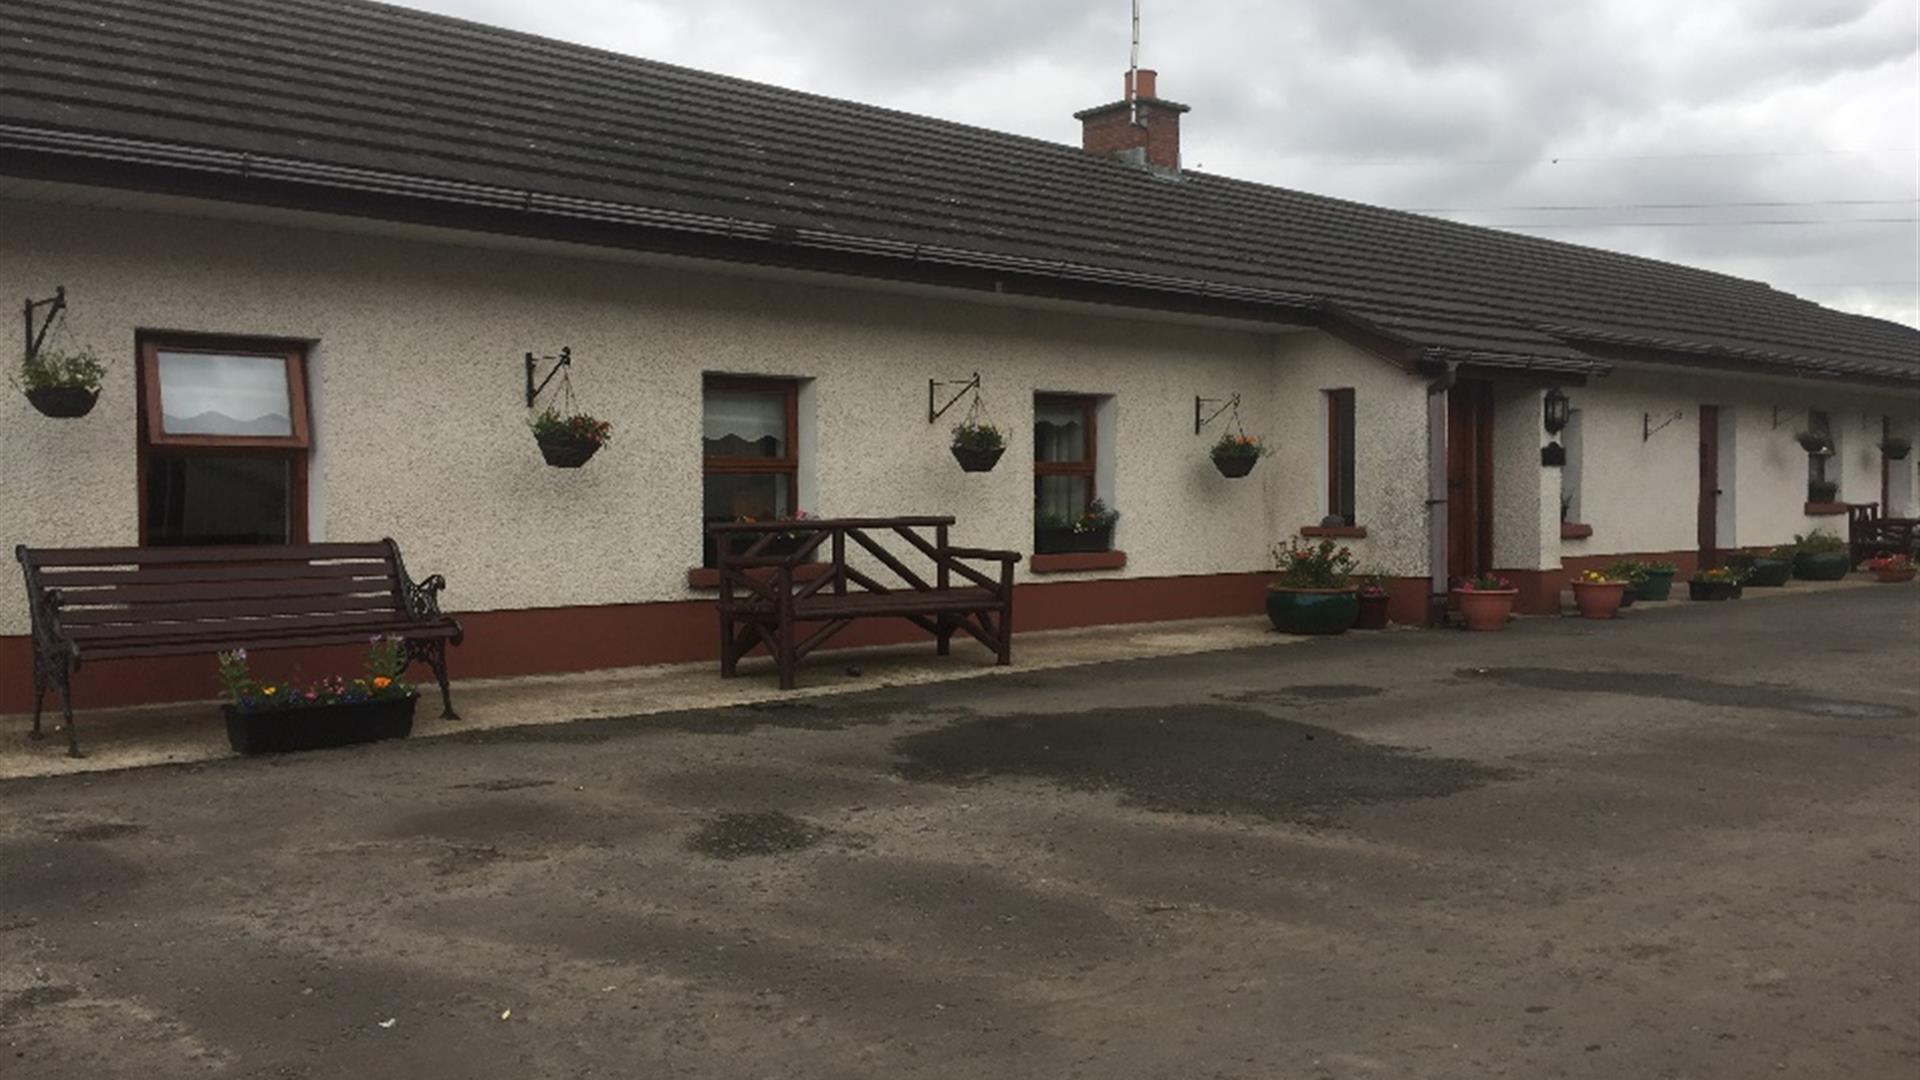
1802, 114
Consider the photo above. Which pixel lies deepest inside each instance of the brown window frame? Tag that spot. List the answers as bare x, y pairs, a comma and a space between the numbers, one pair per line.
1343, 495
787, 466
152, 442
1089, 408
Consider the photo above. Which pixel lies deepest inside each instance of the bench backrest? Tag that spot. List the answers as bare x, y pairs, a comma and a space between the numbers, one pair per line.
191, 593
749, 551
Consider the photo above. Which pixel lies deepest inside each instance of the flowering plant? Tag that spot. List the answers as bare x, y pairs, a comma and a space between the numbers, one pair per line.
386, 659
1595, 577
580, 427
1096, 517
1483, 583
50, 368
975, 435
1371, 584
1817, 542
1313, 566
1718, 575
1240, 446
1630, 571
1889, 561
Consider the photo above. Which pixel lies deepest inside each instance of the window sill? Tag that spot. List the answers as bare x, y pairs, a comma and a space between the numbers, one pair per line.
1573, 530
708, 577
1336, 532
1069, 561
1825, 509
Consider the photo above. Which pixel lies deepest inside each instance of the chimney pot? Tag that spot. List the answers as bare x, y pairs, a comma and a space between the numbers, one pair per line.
1141, 83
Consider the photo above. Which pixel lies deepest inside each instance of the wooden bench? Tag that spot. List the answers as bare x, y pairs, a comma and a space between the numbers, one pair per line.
764, 596
1869, 534
121, 603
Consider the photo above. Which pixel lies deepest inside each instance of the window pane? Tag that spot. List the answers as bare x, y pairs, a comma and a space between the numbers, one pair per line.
1059, 433
213, 394
733, 497
1060, 499
745, 425
1341, 490
219, 500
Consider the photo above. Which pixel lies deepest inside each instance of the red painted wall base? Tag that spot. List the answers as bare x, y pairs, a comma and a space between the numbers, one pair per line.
552, 640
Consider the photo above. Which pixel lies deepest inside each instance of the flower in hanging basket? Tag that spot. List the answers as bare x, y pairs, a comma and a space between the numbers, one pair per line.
1896, 447
1813, 442
977, 446
568, 441
1235, 455
61, 384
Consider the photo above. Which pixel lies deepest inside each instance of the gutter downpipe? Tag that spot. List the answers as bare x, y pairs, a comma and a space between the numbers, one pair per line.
1438, 397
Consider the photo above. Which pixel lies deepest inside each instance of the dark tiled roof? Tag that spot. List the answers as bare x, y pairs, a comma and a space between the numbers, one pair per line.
355, 84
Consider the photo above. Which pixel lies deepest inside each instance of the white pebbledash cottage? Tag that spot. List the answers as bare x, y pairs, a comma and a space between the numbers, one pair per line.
317, 239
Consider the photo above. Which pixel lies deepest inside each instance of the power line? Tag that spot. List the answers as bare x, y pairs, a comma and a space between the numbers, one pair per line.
1556, 160
1664, 206
1699, 224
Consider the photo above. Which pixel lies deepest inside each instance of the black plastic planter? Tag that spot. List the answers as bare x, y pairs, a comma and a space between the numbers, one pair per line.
1062, 541
1822, 491
319, 727
1553, 455
566, 453
63, 402
1713, 590
1235, 466
1657, 587
978, 458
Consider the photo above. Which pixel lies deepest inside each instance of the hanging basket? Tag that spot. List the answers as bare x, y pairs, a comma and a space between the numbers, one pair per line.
1553, 455
566, 453
1813, 442
64, 402
1896, 449
1235, 466
977, 458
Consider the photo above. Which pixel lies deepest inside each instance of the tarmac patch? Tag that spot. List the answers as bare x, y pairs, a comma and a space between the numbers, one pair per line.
1195, 760
1674, 687
768, 832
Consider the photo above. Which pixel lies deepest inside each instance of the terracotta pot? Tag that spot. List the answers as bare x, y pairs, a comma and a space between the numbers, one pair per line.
1895, 577
1373, 612
1485, 609
1598, 599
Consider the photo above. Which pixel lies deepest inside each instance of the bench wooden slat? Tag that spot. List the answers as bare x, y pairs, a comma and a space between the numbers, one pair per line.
343, 624
137, 594
284, 607
135, 650
221, 572
158, 556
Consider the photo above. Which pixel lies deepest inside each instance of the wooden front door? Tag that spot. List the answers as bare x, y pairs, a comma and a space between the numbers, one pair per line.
1709, 485
1469, 479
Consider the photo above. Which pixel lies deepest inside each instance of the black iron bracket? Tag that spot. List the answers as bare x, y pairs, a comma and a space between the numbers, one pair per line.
1201, 418
54, 304
1648, 427
564, 360
1781, 418
933, 391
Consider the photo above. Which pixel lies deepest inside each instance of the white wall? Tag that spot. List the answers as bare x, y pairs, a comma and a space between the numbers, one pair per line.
419, 419
1641, 494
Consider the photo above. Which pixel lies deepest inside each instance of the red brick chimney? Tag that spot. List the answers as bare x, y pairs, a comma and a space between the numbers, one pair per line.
1140, 127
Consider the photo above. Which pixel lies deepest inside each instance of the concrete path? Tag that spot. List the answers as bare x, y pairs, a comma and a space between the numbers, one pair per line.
189, 732
1683, 845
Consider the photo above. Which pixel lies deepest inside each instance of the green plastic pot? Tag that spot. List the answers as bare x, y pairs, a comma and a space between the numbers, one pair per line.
1657, 586
1822, 565
1312, 611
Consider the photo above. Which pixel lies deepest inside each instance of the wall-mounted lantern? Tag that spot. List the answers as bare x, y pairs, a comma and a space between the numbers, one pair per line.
1558, 411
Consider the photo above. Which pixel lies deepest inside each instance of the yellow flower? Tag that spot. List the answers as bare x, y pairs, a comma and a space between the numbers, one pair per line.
382, 682
269, 690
